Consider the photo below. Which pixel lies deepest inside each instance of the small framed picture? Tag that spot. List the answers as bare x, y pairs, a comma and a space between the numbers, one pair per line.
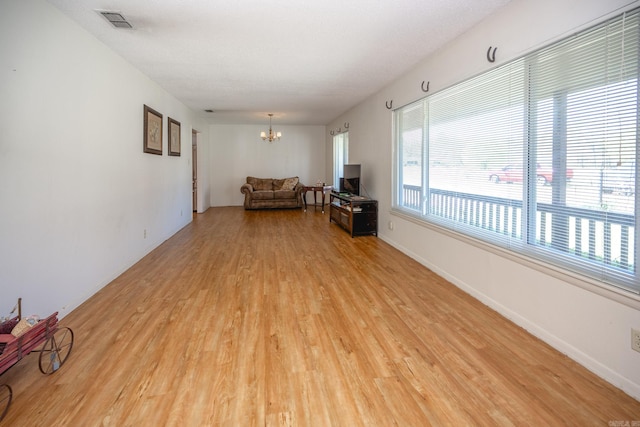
152, 142
174, 137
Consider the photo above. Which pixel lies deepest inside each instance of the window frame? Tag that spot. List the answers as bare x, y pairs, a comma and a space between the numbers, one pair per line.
521, 249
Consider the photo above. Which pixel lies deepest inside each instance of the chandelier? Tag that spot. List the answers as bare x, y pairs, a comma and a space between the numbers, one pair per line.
271, 136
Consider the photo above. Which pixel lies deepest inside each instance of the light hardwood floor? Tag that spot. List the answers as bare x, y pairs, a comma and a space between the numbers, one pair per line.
258, 318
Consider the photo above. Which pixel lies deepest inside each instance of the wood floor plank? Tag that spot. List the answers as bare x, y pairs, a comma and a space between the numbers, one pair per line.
279, 318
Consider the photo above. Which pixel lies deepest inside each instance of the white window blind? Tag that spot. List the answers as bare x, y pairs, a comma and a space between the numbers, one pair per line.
537, 156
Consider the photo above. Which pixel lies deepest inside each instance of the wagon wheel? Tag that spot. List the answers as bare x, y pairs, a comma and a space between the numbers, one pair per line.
6, 395
56, 350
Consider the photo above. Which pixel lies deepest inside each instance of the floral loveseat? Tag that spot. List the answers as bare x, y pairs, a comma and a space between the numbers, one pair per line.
269, 193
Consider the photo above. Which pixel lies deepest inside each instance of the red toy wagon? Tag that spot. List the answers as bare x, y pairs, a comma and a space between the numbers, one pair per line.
58, 342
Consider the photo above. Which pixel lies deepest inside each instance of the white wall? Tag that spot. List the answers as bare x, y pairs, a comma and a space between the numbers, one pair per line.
591, 328
237, 152
77, 191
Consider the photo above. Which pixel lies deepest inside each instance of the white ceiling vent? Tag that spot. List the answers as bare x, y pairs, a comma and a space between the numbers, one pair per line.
115, 18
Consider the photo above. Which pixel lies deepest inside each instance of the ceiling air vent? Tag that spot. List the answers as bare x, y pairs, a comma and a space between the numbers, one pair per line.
116, 19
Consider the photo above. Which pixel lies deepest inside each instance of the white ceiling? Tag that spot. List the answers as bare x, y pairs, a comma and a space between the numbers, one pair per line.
305, 61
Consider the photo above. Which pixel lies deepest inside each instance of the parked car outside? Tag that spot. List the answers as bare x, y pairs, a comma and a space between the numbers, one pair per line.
619, 180
511, 174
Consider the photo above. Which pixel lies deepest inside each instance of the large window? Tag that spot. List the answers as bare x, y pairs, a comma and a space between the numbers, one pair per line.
537, 156
340, 156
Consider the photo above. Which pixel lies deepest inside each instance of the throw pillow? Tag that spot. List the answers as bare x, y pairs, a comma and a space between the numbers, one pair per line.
290, 183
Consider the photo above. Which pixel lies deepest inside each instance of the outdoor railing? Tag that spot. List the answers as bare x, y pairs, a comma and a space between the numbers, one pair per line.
595, 235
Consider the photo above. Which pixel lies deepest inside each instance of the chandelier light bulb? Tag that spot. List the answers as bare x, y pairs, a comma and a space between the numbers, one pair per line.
271, 135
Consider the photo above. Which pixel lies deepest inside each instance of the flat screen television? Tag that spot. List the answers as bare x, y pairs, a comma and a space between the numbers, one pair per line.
350, 182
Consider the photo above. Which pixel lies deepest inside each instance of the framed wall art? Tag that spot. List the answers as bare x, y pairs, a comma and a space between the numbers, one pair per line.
174, 137
152, 142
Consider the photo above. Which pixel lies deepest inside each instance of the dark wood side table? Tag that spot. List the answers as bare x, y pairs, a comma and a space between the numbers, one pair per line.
315, 188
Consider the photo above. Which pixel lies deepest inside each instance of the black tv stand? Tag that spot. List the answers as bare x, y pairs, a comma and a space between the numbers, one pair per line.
356, 214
